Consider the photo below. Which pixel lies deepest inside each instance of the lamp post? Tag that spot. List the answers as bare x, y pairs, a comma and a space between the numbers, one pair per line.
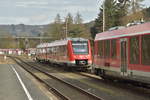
66, 27
41, 34
103, 14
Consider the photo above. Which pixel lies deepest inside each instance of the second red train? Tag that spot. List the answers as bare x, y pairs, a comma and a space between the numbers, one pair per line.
73, 52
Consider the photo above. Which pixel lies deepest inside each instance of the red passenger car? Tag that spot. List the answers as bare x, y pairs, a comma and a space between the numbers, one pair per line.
124, 53
70, 52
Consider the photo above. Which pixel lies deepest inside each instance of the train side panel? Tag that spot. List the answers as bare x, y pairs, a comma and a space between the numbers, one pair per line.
131, 59
58, 54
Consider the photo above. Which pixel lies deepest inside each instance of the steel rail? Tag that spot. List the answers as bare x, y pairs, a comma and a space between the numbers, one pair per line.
67, 83
50, 88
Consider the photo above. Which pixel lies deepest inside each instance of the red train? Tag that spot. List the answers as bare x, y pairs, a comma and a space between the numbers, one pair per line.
124, 53
73, 52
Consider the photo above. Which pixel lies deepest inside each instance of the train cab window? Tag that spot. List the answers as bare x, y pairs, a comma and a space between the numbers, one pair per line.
146, 50
134, 50
107, 48
113, 49
80, 47
100, 48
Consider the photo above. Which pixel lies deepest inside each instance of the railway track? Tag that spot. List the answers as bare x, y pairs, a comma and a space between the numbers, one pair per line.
61, 88
119, 81
92, 80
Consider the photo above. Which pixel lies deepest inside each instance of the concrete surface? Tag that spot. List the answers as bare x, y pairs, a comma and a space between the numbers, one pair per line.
11, 88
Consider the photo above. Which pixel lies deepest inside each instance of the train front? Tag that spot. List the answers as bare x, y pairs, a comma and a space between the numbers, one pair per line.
80, 52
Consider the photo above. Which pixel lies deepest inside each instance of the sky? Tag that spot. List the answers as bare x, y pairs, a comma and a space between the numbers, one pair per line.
39, 12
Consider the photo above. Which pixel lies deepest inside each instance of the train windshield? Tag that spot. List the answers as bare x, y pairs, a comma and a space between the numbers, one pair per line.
80, 47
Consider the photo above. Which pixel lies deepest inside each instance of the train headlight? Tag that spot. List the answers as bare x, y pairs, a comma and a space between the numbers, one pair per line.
90, 62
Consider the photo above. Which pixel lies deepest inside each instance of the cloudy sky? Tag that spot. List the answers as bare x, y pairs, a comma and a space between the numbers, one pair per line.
44, 11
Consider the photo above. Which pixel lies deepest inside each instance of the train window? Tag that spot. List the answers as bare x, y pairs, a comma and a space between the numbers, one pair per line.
146, 50
100, 48
63, 50
41, 50
113, 49
48, 50
134, 50
107, 48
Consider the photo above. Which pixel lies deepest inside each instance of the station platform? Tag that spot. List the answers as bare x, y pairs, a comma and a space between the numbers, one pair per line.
17, 84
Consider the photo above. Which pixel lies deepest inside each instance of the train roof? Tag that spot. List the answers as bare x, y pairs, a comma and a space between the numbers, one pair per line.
123, 32
60, 42
42, 45
77, 39
55, 43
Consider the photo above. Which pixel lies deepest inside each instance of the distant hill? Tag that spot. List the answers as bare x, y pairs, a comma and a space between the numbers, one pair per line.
30, 30
90, 24
22, 30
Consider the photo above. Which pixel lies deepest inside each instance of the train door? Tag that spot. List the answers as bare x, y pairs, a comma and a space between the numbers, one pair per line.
123, 67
